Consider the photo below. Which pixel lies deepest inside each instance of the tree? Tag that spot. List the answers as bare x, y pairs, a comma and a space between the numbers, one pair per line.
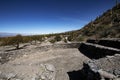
16, 40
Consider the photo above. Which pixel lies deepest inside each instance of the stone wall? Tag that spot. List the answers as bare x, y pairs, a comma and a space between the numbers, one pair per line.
103, 69
105, 60
95, 51
113, 42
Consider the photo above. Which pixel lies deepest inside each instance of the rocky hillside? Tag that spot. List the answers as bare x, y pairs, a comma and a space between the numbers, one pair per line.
105, 25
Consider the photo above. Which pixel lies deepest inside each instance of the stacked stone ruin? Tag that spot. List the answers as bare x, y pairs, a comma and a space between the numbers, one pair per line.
105, 59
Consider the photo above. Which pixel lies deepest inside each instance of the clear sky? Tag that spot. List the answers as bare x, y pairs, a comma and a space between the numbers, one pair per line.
49, 16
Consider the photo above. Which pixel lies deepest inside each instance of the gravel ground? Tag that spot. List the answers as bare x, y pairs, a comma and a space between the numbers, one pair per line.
18, 61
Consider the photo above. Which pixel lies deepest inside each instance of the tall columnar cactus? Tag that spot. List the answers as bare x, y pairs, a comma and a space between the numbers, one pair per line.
111, 13
117, 2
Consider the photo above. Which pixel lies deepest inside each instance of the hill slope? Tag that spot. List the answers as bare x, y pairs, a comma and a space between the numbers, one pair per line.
106, 25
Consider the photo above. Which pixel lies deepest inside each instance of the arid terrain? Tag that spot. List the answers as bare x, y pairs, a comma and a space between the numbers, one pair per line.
91, 53
67, 61
28, 60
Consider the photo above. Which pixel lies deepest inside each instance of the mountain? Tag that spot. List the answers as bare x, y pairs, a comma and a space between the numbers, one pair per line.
104, 26
7, 34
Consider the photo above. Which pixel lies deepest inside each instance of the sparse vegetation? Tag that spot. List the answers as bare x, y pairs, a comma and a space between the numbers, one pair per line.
52, 41
58, 38
80, 38
70, 38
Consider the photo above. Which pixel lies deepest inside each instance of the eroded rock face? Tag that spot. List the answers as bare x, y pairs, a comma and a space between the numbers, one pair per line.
28, 72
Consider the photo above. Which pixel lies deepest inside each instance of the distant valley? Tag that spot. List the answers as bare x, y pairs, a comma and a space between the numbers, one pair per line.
3, 34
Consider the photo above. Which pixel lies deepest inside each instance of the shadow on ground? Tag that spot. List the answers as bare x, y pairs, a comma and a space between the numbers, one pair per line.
76, 75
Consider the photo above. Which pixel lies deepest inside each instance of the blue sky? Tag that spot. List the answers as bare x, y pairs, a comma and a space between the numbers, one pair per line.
49, 16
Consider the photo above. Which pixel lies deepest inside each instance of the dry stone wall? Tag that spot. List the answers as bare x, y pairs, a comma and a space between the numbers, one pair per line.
105, 59
111, 42
95, 51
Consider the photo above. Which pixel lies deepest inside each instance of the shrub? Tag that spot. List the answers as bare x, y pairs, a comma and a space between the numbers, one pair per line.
81, 38
70, 38
52, 41
6, 41
58, 38
36, 38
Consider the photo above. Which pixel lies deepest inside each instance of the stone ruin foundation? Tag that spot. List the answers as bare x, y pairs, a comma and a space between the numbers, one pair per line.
104, 63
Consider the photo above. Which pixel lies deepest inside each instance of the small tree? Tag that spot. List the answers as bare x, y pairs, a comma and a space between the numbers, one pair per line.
16, 40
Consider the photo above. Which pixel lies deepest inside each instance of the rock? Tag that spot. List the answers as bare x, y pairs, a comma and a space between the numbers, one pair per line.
50, 67
92, 66
106, 74
7, 75
116, 72
49, 72
10, 75
107, 67
15, 79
